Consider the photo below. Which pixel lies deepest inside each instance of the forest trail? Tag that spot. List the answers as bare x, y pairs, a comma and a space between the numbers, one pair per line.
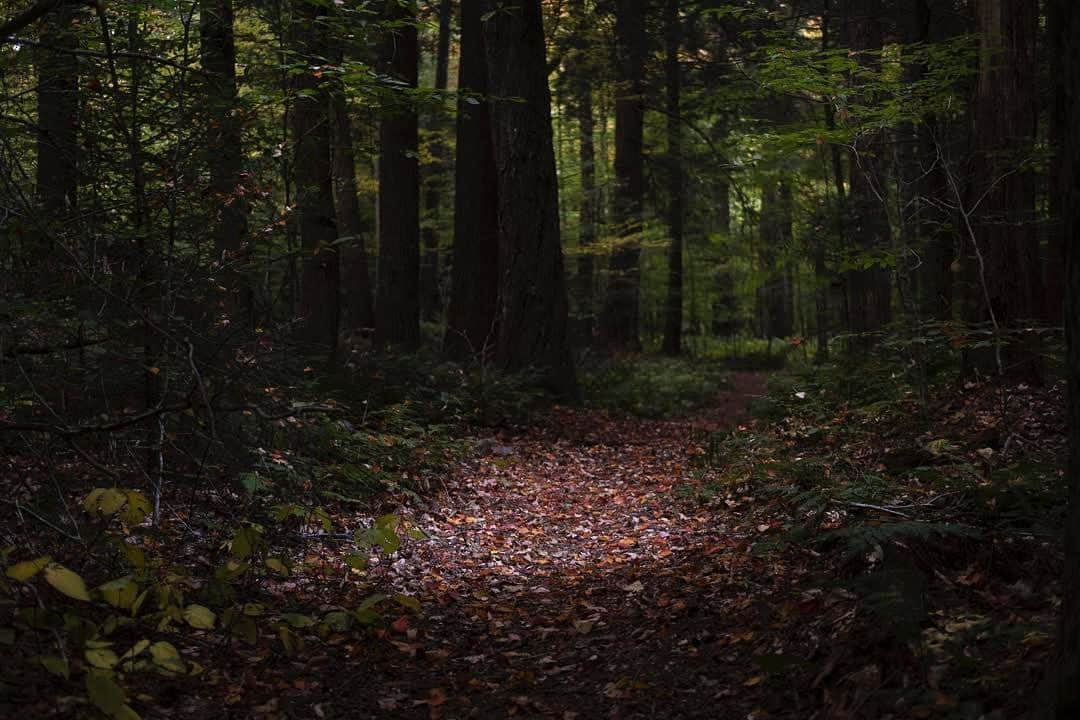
566, 576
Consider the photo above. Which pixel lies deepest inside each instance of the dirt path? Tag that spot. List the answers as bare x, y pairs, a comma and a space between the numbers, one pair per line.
565, 577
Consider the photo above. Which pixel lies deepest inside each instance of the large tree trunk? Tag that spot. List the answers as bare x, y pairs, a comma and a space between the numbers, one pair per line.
620, 319
309, 126
1066, 669
533, 308
673, 308
1009, 282
224, 150
58, 117
350, 223
397, 301
430, 297
471, 326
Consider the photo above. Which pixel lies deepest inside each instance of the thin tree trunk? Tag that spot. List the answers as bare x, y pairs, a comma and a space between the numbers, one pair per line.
224, 150
673, 315
350, 223
58, 118
620, 320
869, 290
431, 298
1055, 250
533, 307
471, 325
397, 301
313, 184
582, 107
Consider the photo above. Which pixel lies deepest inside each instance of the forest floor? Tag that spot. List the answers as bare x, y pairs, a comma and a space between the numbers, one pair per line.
563, 578
828, 558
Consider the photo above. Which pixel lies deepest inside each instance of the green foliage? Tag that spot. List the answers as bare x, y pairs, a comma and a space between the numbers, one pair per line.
652, 386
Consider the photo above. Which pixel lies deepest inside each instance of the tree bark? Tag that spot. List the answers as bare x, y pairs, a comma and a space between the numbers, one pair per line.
774, 230
224, 149
533, 308
1010, 287
620, 319
431, 298
350, 223
309, 126
869, 290
58, 117
471, 325
397, 301
673, 308
1066, 669
1055, 250
581, 82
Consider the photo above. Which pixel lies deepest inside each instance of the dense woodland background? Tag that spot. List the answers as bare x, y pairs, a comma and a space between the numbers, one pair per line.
264, 261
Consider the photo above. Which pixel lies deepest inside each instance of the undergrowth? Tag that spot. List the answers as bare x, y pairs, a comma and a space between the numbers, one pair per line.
930, 515
651, 386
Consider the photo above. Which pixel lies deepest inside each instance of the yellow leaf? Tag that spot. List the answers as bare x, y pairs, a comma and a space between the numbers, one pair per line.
756, 680
137, 508
27, 569
277, 566
104, 501
66, 582
104, 693
120, 593
136, 649
166, 656
200, 617
101, 658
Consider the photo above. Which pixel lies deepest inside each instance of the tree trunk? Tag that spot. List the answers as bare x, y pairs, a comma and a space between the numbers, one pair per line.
313, 184
869, 290
581, 105
774, 230
397, 302
533, 308
1009, 286
471, 326
350, 223
224, 150
620, 319
1055, 250
673, 309
58, 117
430, 297
1066, 669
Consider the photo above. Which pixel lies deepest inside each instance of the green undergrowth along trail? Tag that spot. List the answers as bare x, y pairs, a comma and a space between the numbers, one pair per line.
932, 529
115, 596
